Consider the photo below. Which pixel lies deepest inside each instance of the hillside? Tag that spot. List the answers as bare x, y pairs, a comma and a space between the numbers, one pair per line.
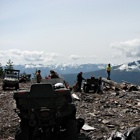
106, 112
128, 71
61, 68
116, 75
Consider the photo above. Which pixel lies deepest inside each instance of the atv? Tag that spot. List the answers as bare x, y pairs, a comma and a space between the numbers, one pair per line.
46, 112
10, 79
90, 85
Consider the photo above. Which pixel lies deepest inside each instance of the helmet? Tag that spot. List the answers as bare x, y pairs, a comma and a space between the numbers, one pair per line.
59, 85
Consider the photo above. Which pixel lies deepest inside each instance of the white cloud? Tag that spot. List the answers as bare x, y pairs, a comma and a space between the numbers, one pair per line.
32, 56
45, 58
75, 57
35, 57
129, 49
41, 57
22, 57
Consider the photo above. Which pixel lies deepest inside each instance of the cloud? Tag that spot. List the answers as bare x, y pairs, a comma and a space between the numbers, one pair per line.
41, 57
32, 56
75, 57
35, 57
78, 57
22, 57
130, 48
51, 57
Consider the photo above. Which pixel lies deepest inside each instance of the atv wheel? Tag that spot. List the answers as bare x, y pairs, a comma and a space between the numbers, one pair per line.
95, 89
3, 87
86, 89
71, 130
80, 123
17, 86
38, 134
22, 132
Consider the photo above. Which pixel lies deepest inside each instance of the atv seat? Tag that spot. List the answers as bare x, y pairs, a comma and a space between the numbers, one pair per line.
92, 81
42, 90
96, 81
42, 95
88, 81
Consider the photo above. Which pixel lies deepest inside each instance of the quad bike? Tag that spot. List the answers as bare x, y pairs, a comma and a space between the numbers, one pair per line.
90, 84
10, 79
47, 112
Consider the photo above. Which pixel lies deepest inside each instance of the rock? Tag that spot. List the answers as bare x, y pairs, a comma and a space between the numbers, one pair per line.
130, 134
107, 112
133, 133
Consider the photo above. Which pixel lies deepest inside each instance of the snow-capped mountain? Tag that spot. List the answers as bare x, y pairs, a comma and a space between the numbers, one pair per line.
75, 68
128, 71
61, 68
132, 66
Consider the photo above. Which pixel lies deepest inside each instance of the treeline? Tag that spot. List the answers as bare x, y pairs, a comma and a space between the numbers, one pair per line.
9, 65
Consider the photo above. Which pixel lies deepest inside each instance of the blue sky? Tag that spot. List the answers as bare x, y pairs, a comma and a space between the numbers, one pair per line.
69, 31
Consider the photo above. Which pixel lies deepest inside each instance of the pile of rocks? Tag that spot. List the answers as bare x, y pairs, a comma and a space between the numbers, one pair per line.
104, 112
109, 111
9, 120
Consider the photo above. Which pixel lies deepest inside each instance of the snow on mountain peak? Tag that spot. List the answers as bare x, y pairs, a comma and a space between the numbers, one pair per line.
33, 65
132, 66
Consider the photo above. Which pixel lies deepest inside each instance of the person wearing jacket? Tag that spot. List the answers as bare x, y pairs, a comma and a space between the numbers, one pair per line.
38, 76
108, 70
53, 74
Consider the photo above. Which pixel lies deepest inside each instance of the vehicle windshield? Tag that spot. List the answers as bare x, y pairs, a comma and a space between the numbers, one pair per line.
12, 75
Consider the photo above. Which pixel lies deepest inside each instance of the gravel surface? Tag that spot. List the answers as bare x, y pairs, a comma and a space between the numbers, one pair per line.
106, 112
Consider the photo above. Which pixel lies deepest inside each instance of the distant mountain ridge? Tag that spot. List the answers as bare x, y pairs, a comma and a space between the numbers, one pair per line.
61, 69
131, 66
128, 71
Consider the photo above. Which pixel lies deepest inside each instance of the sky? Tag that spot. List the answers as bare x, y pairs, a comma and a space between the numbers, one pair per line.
69, 31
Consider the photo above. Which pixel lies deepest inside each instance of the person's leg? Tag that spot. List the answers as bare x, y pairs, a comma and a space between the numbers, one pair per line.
79, 86
108, 77
101, 89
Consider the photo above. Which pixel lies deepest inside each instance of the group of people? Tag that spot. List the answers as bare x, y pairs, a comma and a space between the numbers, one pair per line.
52, 74
80, 78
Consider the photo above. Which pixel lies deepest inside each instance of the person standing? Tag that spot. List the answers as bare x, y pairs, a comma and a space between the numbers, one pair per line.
108, 70
79, 80
38, 76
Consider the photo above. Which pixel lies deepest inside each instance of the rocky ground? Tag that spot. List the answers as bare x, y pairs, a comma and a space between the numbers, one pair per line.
105, 112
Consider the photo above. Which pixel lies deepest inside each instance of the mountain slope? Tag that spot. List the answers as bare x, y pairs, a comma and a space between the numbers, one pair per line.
129, 71
61, 69
118, 76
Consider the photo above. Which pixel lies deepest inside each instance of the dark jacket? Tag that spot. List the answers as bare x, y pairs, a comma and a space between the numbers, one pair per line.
79, 77
54, 75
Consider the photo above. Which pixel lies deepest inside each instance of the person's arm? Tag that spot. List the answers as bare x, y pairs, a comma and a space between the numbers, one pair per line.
83, 78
